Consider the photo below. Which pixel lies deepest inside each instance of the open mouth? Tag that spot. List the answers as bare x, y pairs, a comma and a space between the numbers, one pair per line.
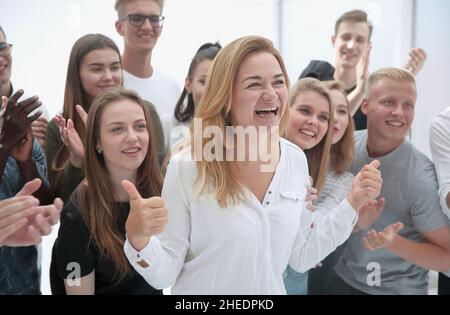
395, 124
131, 151
308, 133
267, 112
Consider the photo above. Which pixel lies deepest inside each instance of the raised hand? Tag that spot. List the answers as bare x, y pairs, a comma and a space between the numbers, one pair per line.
72, 141
362, 70
39, 128
417, 58
16, 119
376, 240
147, 217
366, 185
369, 214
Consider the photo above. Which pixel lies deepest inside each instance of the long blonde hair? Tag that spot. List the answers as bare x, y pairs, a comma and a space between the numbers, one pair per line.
214, 108
318, 157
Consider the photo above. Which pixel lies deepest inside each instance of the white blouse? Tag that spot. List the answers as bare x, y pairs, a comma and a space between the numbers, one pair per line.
242, 249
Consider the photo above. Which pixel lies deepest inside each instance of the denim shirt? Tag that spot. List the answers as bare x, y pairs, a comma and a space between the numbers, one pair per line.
20, 268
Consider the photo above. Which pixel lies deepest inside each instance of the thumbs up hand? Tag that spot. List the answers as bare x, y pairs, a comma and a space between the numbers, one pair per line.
366, 185
147, 217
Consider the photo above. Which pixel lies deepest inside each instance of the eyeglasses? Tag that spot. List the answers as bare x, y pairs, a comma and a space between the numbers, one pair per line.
139, 19
5, 49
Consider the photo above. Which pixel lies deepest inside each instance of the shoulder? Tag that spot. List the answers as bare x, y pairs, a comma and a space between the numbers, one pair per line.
440, 126
294, 157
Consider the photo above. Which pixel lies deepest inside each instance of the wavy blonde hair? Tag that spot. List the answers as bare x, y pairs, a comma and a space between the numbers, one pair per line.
318, 157
217, 177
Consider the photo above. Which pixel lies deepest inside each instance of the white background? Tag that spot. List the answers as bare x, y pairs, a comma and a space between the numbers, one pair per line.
43, 32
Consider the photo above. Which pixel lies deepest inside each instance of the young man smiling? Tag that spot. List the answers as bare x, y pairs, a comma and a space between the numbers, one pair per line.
352, 44
140, 23
412, 234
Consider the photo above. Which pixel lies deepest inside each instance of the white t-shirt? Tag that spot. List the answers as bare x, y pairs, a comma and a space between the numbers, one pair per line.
440, 151
160, 89
244, 248
174, 130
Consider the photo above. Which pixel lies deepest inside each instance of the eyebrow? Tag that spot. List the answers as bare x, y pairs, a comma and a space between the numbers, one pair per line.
101, 64
257, 77
122, 123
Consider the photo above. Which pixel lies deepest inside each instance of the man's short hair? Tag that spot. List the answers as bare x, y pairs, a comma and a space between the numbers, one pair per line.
120, 5
354, 16
395, 74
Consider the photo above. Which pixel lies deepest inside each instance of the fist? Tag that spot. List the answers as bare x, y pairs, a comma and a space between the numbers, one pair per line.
366, 185
147, 217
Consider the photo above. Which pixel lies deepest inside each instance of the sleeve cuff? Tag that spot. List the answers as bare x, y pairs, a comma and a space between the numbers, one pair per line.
142, 259
348, 212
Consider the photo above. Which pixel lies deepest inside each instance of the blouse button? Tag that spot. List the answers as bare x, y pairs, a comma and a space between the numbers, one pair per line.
267, 203
270, 192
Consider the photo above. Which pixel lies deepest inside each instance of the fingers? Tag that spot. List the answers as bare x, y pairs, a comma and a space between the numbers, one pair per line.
15, 212
394, 228
82, 113
30, 187
11, 229
42, 225
131, 190
34, 235
13, 100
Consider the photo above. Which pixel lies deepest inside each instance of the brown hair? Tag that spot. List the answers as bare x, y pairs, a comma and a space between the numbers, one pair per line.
74, 94
318, 156
343, 151
214, 109
354, 16
95, 200
120, 6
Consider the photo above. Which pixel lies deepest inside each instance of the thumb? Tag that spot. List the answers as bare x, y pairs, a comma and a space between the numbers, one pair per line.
30, 187
82, 113
397, 227
375, 164
129, 187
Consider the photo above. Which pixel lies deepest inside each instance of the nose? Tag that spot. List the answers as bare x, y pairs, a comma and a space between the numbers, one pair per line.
269, 94
350, 44
312, 120
131, 136
147, 24
108, 75
398, 110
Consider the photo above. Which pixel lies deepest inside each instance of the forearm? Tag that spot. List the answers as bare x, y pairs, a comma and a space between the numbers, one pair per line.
28, 171
354, 99
426, 255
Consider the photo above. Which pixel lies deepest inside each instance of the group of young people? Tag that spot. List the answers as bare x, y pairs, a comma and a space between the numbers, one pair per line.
242, 186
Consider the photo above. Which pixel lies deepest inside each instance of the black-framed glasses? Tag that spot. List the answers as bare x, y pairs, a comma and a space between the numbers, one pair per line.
139, 19
5, 49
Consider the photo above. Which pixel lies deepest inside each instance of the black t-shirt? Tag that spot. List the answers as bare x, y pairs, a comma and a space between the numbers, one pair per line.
75, 246
324, 71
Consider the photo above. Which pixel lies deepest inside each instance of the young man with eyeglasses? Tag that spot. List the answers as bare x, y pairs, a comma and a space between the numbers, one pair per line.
39, 126
140, 22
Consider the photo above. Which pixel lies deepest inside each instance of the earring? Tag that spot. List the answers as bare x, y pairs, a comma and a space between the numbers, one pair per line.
99, 150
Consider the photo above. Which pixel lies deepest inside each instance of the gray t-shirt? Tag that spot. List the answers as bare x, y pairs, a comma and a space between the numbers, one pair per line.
410, 188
